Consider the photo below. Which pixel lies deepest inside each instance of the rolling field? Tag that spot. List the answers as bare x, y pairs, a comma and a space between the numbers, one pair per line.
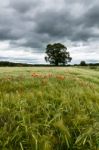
49, 108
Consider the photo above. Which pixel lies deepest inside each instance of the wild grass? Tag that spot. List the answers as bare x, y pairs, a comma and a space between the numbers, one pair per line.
49, 109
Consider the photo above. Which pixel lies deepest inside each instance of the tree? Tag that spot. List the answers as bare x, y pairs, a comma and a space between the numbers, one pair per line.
83, 63
57, 54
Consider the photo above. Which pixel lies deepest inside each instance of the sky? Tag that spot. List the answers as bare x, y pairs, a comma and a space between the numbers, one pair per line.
27, 26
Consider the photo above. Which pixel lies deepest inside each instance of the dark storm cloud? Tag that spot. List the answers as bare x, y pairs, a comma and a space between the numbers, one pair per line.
23, 6
92, 16
32, 23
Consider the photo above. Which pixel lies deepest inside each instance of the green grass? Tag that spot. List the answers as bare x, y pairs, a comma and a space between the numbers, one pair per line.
59, 112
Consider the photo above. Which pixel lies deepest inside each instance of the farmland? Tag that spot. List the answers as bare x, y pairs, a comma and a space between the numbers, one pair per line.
49, 108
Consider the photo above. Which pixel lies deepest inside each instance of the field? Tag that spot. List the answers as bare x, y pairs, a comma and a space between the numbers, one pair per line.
49, 108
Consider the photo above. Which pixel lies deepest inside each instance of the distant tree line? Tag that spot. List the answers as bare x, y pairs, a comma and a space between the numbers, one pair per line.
12, 64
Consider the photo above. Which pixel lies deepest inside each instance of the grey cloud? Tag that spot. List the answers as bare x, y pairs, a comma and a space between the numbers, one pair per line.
24, 5
33, 24
92, 17
17, 60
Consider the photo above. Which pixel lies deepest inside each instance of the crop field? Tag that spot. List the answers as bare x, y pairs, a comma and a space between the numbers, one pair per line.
51, 108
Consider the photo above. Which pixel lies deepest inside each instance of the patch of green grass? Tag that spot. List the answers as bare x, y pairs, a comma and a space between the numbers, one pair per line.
49, 113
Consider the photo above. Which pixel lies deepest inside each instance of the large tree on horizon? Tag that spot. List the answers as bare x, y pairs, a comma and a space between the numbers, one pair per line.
57, 54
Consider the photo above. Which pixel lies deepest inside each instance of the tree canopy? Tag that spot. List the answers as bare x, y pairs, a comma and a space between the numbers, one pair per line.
83, 63
57, 54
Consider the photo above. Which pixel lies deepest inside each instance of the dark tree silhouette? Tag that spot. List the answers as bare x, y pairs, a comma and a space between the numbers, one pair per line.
83, 63
57, 54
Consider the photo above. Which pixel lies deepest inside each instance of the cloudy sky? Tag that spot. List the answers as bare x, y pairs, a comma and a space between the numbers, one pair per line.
27, 26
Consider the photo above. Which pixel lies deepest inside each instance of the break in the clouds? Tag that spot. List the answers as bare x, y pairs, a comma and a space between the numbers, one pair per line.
27, 26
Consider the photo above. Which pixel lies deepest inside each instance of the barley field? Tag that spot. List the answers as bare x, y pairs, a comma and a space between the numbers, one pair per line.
49, 108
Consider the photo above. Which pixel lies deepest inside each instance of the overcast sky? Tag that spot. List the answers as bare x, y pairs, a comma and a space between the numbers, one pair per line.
27, 26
